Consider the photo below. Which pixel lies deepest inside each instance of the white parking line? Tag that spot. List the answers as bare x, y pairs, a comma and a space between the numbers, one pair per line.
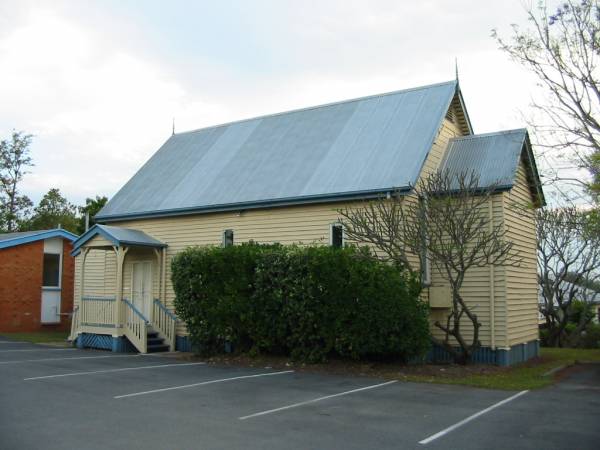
14, 342
221, 380
470, 418
72, 374
314, 400
74, 357
39, 349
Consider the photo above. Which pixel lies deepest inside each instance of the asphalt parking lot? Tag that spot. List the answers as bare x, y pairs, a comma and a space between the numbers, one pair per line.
82, 399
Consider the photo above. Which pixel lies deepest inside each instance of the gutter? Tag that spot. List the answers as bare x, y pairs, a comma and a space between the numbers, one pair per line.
262, 204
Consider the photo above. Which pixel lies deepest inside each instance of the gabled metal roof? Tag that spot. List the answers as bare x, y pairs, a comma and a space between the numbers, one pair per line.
24, 237
351, 149
494, 158
117, 236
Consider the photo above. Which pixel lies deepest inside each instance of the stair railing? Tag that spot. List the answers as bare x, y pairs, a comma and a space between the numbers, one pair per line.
164, 322
135, 326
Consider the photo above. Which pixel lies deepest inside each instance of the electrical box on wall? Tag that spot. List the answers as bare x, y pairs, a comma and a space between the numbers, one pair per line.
440, 296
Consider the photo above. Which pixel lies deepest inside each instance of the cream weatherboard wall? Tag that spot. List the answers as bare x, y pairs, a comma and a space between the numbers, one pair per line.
522, 290
499, 296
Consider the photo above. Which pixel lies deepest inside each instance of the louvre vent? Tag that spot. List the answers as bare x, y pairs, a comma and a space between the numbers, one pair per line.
450, 115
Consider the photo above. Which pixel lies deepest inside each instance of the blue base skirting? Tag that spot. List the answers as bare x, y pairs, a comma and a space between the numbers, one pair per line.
105, 342
183, 344
503, 357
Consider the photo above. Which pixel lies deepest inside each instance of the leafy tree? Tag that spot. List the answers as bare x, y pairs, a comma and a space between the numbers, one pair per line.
568, 264
445, 223
91, 208
14, 160
561, 49
54, 211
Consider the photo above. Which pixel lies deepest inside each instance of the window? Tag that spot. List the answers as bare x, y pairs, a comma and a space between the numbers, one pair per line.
336, 235
51, 275
227, 238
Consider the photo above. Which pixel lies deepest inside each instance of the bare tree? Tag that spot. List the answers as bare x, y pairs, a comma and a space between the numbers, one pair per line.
561, 49
445, 223
568, 259
14, 160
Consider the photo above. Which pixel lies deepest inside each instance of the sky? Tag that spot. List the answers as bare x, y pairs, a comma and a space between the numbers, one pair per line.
98, 83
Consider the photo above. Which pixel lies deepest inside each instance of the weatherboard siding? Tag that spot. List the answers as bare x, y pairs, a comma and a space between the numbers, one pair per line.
476, 291
522, 291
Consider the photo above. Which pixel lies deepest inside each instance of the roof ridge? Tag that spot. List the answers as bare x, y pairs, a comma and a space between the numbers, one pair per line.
324, 105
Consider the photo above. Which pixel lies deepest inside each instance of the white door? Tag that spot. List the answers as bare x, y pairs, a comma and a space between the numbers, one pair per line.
50, 306
141, 287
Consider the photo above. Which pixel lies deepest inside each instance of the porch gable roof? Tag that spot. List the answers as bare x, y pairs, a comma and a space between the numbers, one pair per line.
118, 236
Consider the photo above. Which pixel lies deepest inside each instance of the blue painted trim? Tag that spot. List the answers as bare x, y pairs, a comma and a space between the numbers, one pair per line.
38, 236
503, 357
118, 344
91, 233
51, 288
290, 201
166, 310
135, 310
89, 298
122, 345
183, 344
99, 230
101, 325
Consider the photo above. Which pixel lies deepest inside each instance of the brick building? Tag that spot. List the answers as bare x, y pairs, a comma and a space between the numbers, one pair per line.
36, 280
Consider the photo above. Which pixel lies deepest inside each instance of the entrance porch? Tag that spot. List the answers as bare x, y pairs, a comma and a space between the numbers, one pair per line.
121, 309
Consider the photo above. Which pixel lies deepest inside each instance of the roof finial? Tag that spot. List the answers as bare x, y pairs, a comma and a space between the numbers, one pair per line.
456, 68
173, 126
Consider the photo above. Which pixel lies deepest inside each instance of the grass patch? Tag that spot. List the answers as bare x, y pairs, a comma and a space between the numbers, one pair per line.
39, 337
532, 374
529, 375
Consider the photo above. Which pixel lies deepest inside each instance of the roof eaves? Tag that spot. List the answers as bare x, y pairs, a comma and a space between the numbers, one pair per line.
43, 234
537, 182
262, 204
464, 108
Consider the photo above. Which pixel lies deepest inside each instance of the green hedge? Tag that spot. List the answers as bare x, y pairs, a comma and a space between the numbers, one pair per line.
307, 302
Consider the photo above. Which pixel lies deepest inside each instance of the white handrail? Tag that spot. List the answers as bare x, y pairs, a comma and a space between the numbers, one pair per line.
165, 322
135, 326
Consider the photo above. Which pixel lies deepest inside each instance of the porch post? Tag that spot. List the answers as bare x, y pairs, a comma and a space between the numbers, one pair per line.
163, 282
158, 262
84, 252
120, 252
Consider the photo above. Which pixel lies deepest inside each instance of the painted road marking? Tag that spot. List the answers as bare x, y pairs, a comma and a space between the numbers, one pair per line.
14, 342
39, 349
63, 359
315, 400
221, 380
123, 369
470, 418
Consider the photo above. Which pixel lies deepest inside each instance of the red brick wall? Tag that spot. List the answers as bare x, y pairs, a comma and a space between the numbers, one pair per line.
21, 288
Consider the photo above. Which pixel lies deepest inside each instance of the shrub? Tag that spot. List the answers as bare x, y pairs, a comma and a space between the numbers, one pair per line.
307, 302
590, 337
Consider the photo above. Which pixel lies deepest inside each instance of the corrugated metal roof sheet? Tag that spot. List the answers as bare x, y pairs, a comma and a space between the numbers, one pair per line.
367, 145
493, 157
118, 236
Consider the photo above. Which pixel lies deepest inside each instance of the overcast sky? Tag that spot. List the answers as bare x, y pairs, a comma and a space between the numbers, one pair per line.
98, 82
